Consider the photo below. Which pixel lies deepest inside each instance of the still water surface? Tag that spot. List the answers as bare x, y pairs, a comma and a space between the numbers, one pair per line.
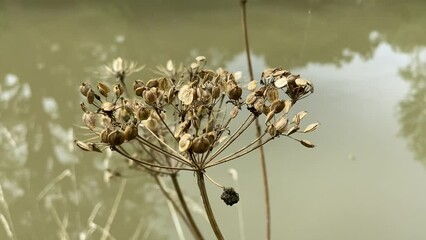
365, 180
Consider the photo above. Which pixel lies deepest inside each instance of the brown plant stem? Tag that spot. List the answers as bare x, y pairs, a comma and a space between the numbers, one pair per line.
208, 208
258, 128
196, 231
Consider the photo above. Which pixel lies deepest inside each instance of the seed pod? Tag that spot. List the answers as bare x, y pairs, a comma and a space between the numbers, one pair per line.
182, 128
84, 88
235, 93
280, 83
186, 94
288, 103
281, 124
118, 90
104, 135
200, 144
83, 107
116, 137
149, 96
230, 196
89, 119
270, 115
272, 130
93, 147
83, 146
185, 142
234, 112
307, 144
90, 96
142, 114
251, 98
211, 136
123, 115
277, 106
152, 83
137, 84
194, 66
103, 89
108, 106
272, 94
311, 127
292, 130
259, 104
139, 91
266, 110
215, 92
301, 82
170, 95
252, 85
130, 132
200, 59
151, 124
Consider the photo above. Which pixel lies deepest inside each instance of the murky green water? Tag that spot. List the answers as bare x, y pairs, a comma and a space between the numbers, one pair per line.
365, 180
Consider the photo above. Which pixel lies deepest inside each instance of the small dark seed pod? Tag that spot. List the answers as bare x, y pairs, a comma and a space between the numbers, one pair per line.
84, 88
230, 196
116, 137
235, 93
104, 135
130, 132
137, 84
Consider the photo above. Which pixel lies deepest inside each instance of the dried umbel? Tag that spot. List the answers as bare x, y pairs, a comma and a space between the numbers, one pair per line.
185, 114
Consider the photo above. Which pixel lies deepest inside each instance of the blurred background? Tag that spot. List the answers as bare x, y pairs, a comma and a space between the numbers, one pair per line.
365, 180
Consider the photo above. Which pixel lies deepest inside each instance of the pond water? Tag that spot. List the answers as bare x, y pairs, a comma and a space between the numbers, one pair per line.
364, 180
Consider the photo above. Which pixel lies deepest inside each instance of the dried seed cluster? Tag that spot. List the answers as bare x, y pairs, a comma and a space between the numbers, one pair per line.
181, 120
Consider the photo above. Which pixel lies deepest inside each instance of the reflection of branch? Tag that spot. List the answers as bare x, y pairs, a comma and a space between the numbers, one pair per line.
50, 185
114, 209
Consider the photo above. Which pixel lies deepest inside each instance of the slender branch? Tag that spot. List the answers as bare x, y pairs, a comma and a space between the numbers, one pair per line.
258, 131
208, 208
150, 164
194, 227
167, 146
167, 195
178, 158
231, 139
238, 155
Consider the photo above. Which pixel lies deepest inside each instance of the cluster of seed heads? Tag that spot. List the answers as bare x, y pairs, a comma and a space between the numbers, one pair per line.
182, 119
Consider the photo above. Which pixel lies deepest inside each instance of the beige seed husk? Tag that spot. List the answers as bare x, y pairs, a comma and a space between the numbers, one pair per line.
307, 144
252, 85
251, 98
281, 124
272, 130
185, 142
186, 95
200, 144
311, 127
116, 137
103, 89
280, 83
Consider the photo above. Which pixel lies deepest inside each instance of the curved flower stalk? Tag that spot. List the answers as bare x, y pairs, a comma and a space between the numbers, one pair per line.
181, 120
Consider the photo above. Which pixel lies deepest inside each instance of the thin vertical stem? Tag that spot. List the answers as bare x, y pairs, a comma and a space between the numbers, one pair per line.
208, 208
188, 214
258, 128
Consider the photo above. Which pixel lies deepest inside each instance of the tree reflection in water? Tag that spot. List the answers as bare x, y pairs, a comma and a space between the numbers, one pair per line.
412, 109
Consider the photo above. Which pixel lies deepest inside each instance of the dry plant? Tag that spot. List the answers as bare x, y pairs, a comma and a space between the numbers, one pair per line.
182, 121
